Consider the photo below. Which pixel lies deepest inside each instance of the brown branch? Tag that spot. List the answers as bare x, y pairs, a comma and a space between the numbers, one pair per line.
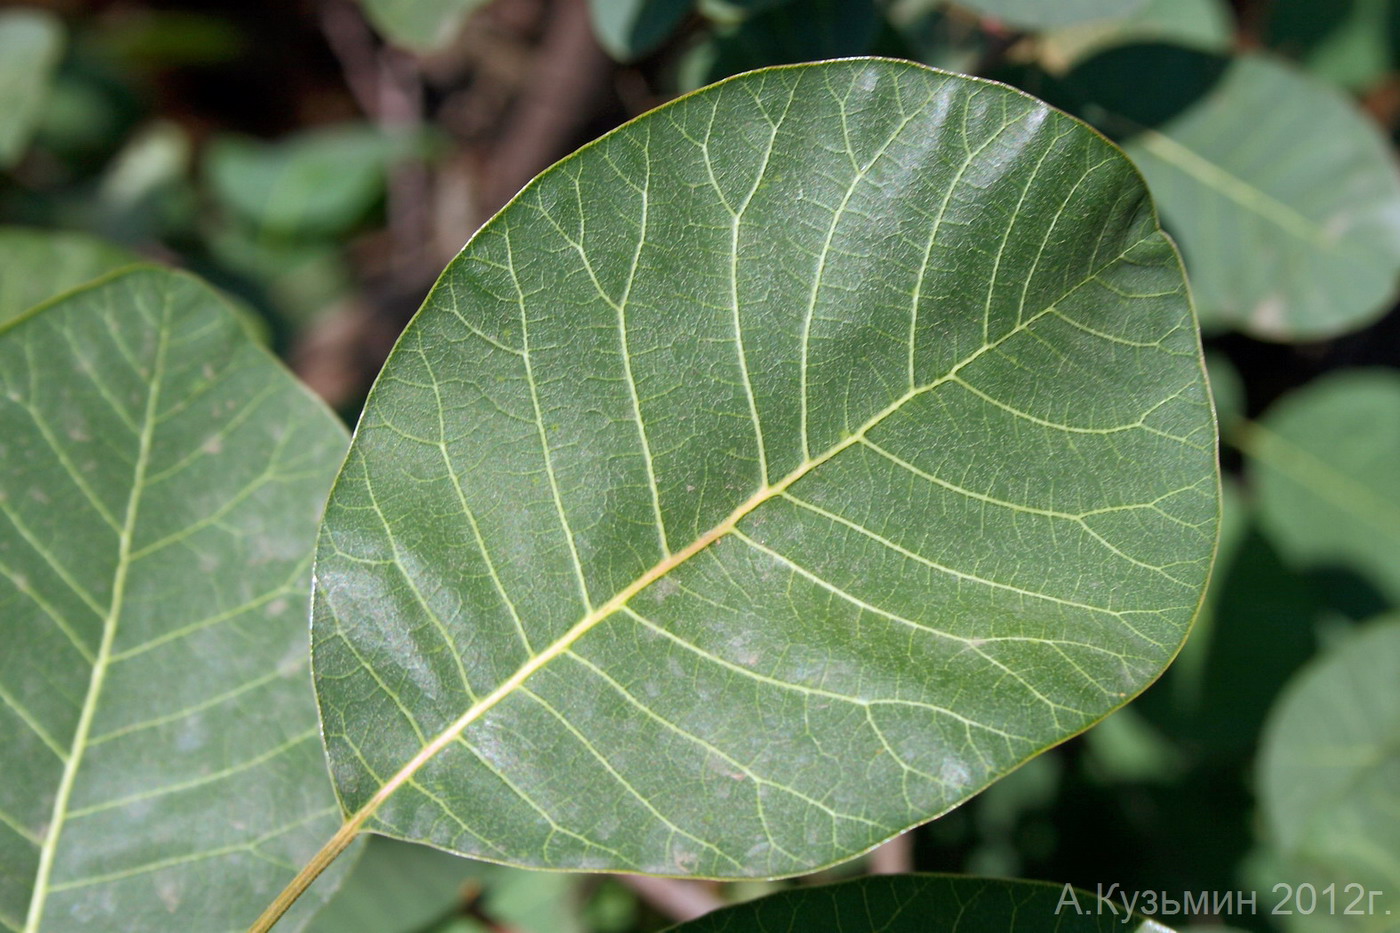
409, 184
679, 900
387, 85
895, 857
352, 43
571, 75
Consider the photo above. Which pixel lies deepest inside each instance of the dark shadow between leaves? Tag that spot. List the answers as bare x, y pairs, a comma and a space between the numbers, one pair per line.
1350, 593
1259, 631
1297, 27
1132, 88
796, 31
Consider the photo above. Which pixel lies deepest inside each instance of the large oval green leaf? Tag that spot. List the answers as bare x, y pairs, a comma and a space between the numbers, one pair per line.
925, 903
160, 482
770, 476
1329, 781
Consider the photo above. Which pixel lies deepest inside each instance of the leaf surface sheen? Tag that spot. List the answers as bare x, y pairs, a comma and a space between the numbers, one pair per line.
162, 482
768, 477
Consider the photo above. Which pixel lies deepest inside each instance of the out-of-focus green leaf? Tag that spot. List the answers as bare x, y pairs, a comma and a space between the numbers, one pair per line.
148, 38
155, 159
147, 190
1000, 810
31, 42
86, 117
531, 901
1129, 88
732, 11
1347, 42
797, 31
612, 908
1329, 780
1126, 747
770, 476
629, 29
161, 484
422, 25
1324, 465
316, 183
302, 279
923, 903
397, 887
1285, 199
936, 35
1201, 24
36, 265
1045, 14
462, 925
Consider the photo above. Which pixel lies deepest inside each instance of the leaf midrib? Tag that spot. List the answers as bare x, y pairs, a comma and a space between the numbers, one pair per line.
59, 813
619, 600
1234, 188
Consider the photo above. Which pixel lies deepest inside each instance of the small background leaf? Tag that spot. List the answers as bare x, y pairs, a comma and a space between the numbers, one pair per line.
397, 887
1347, 42
1323, 461
1041, 14
318, 182
629, 29
794, 31
421, 25
31, 42
1200, 24
1329, 779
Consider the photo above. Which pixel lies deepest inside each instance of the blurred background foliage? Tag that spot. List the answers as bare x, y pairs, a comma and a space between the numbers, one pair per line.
321, 160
